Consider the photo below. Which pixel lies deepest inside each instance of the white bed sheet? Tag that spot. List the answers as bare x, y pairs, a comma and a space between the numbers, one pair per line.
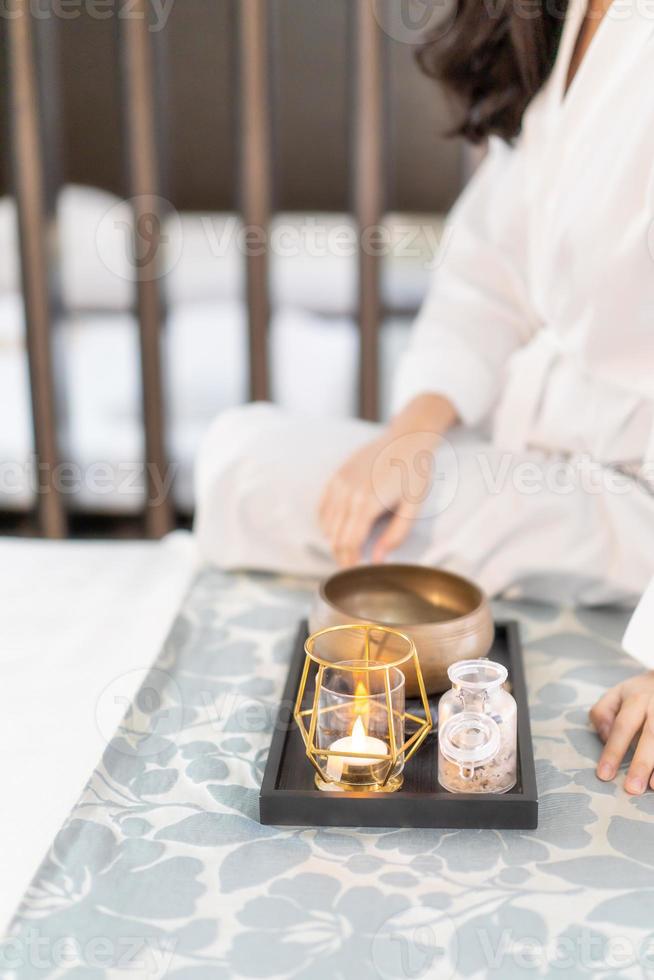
81, 624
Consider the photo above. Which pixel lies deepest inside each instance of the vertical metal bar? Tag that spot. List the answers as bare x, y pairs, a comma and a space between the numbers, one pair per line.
141, 118
256, 180
36, 223
368, 196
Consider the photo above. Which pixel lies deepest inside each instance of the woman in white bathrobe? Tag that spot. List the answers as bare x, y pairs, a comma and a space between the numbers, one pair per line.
521, 447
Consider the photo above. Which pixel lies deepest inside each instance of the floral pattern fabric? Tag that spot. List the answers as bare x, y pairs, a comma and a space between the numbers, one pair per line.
163, 869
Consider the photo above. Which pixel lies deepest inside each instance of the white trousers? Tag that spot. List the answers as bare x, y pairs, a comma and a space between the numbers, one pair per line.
529, 524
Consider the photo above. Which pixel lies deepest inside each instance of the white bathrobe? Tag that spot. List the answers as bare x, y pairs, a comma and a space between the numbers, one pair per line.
539, 327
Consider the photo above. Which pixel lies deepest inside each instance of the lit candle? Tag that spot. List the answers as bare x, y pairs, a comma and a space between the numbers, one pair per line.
358, 742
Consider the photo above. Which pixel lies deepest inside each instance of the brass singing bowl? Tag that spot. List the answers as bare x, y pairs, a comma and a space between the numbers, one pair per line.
447, 616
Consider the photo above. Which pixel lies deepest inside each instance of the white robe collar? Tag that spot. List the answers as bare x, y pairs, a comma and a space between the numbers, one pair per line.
626, 24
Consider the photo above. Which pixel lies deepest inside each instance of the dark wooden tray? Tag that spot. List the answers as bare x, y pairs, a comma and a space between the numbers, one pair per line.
289, 796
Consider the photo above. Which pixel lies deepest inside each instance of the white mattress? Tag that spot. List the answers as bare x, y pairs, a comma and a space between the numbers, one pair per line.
313, 256
81, 625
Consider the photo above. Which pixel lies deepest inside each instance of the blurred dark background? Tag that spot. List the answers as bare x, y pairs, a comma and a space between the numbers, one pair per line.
311, 81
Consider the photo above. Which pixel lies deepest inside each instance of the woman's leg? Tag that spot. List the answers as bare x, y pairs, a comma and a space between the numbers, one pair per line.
544, 526
567, 530
259, 478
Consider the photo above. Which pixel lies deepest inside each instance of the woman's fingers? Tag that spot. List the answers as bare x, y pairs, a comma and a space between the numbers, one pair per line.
624, 713
358, 519
328, 506
626, 726
332, 509
642, 764
346, 517
394, 533
602, 714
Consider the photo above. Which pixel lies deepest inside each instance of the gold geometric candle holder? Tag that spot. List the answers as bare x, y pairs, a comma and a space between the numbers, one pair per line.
357, 732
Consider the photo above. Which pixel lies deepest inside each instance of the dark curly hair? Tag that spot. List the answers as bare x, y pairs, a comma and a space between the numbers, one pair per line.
493, 57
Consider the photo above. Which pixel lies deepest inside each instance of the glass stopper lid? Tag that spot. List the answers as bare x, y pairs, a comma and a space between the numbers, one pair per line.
477, 675
469, 739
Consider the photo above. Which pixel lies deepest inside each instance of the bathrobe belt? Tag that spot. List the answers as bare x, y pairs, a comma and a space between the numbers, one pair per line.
525, 382
524, 389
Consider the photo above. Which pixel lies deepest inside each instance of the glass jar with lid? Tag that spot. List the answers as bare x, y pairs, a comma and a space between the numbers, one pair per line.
477, 730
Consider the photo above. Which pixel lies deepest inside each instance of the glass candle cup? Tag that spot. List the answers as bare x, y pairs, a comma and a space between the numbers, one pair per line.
360, 725
354, 723
477, 730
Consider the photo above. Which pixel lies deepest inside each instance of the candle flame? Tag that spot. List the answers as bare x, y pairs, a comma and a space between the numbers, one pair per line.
361, 708
358, 735
361, 702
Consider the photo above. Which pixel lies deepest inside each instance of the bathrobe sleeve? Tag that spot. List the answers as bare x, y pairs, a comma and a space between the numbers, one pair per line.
476, 312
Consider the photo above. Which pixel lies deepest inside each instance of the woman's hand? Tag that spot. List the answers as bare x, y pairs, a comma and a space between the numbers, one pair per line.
625, 712
370, 483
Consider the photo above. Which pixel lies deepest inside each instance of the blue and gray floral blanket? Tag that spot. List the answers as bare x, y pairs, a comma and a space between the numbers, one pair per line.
163, 869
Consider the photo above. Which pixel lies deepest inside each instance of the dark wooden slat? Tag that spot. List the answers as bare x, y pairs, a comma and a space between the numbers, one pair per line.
368, 196
256, 180
141, 133
34, 188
